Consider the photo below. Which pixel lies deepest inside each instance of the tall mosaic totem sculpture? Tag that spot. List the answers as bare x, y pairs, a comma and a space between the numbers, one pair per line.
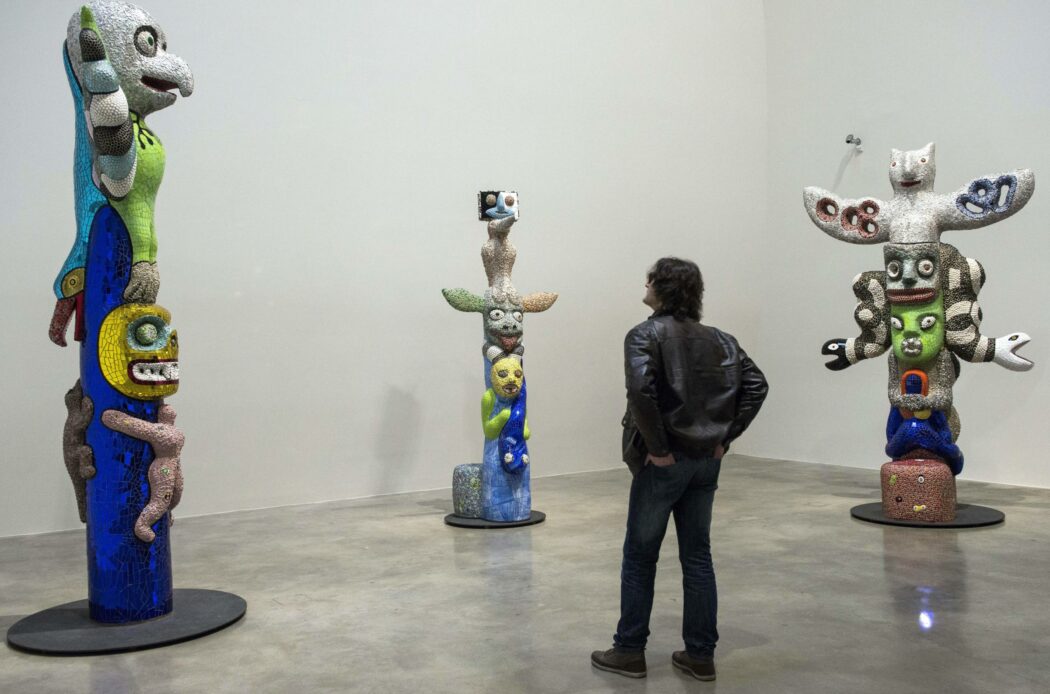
120, 444
922, 308
497, 489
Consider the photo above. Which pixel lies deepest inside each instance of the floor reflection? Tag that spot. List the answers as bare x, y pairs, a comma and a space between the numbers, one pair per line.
926, 575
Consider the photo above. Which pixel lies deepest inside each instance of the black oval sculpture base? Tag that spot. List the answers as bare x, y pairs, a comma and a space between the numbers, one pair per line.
462, 522
68, 630
966, 516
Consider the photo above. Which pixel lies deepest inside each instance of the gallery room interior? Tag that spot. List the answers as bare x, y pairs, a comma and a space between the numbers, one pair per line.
321, 189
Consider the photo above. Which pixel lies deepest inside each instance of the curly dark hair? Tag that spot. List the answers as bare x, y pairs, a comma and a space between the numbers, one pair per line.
679, 286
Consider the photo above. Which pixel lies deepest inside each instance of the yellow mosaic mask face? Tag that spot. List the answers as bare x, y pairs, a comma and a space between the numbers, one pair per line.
507, 377
139, 352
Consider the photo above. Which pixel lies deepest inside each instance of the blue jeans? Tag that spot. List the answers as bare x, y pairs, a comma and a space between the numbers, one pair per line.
686, 489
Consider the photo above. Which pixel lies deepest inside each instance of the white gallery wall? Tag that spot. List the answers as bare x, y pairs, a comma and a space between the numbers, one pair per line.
973, 78
320, 191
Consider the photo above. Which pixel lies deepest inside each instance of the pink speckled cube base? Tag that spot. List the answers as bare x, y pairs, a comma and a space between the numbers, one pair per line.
918, 490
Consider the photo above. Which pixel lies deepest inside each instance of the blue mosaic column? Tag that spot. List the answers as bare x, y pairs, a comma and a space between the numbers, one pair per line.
128, 580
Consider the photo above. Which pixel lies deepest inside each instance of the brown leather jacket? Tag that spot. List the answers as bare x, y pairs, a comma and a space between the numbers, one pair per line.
690, 387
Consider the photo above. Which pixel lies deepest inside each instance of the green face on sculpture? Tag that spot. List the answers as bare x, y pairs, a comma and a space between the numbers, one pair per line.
918, 331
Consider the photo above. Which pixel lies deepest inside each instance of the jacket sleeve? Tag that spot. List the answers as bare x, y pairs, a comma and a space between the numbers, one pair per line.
753, 391
641, 355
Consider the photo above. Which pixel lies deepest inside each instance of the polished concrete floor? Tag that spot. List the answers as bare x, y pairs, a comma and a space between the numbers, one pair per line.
377, 595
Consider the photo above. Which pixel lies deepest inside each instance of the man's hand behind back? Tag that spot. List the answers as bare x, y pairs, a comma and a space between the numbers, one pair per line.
661, 461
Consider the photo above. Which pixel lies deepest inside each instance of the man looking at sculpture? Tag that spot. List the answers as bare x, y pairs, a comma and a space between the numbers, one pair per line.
691, 391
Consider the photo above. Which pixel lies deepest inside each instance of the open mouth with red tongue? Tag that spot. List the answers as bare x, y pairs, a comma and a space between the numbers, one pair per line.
508, 343
911, 296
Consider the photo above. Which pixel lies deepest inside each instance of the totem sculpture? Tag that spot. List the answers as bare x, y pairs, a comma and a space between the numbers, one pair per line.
120, 445
497, 490
923, 308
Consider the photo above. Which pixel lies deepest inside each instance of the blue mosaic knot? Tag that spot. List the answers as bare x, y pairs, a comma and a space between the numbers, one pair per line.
985, 193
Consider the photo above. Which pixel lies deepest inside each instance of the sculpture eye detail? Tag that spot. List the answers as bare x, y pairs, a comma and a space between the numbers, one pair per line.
495, 314
893, 164
517, 374
928, 322
146, 41
923, 160
146, 334
926, 267
509, 201
518, 316
490, 199
893, 269
922, 479
502, 373
896, 323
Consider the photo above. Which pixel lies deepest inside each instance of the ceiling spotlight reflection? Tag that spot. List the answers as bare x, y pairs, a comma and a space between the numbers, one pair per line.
925, 620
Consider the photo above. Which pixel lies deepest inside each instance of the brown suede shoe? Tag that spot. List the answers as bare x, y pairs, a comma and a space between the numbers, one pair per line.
626, 663
703, 670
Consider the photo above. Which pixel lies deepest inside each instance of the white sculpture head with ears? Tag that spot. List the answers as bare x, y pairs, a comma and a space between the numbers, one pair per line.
913, 171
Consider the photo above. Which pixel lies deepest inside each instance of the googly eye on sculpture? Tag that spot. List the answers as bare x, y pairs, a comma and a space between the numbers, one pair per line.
503, 494
923, 304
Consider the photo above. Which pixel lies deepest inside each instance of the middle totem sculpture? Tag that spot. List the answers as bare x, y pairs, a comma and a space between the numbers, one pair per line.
497, 489
924, 306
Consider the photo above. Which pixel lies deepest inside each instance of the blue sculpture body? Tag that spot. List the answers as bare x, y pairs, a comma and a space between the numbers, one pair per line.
128, 580
505, 471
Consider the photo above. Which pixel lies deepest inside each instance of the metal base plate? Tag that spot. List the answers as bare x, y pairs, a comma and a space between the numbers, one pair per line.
68, 630
461, 522
966, 516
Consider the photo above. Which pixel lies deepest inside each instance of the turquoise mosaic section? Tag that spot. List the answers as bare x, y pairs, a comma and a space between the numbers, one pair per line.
87, 197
